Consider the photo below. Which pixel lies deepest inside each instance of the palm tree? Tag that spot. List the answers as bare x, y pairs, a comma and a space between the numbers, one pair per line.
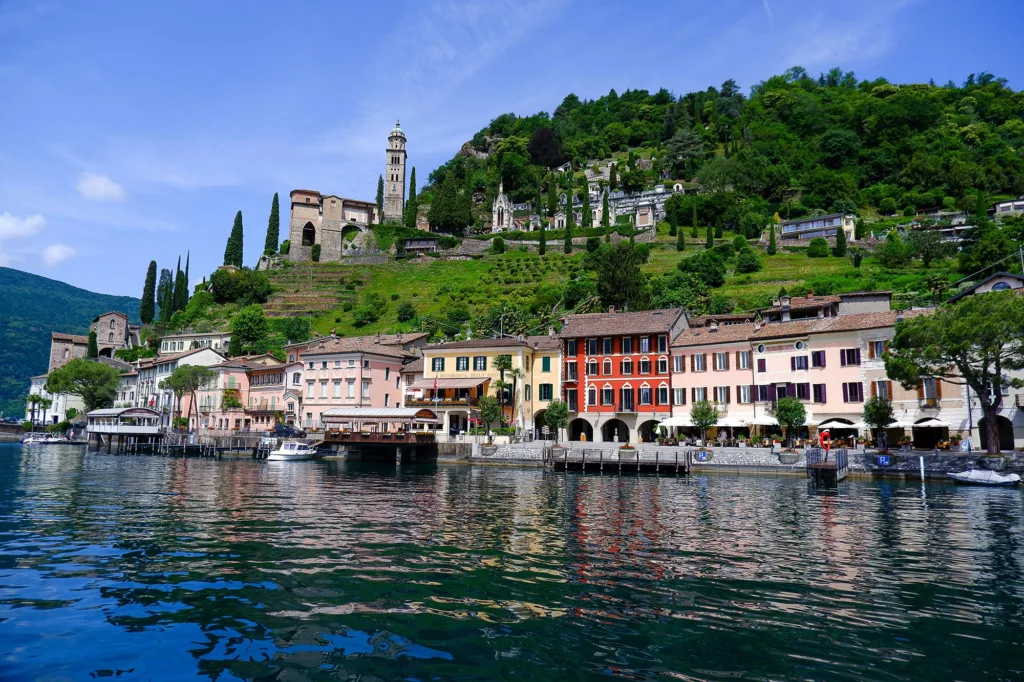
516, 375
33, 400
44, 405
503, 363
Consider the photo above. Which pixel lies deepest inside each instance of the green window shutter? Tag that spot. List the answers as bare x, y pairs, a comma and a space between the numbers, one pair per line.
546, 364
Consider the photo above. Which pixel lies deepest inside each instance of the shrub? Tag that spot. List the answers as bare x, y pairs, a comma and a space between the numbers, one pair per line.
406, 312
316, 253
887, 206
908, 212
707, 266
240, 286
364, 315
818, 248
725, 250
285, 246
498, 245
593, 244
748, 261
394, 297
739, 243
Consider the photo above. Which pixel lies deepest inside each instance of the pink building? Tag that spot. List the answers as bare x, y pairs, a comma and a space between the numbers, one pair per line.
275, 392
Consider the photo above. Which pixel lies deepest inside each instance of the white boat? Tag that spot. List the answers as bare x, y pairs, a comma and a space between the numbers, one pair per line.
292, 451
984, 477
44, 439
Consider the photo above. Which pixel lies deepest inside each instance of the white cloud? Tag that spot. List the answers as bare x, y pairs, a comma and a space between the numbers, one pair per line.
99, 187
13, 227
55, 254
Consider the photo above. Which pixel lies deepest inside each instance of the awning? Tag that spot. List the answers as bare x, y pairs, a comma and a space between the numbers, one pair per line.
761, 420
388, 415
931, 423
680, 420
900, 424
730, 422
427, 384
835, 423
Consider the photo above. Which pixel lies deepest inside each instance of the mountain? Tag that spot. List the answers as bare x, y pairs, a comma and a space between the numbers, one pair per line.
31, 307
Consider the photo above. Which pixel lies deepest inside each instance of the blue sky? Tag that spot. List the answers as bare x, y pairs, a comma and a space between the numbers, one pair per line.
131, 131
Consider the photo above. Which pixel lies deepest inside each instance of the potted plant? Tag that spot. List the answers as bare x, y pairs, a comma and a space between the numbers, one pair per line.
789, 456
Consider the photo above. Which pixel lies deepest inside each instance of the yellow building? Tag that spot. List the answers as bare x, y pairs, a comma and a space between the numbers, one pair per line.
456, 375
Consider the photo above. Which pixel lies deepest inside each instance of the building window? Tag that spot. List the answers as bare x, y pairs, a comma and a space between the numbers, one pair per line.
818, 393
592, 396
607, 343
571, 348
573, 402
645, 366
592, 368
882, 389
545, 391
437, 364
291, 357
645, 344
297, 379
627, 345
849, 356
366, 390
626, 399
722, 395
607, 395
662, 365
743, 359
762, 365
853, 392
337, 363
798, 362
678, 396
323, 389
337, 388
697, 362
626, 367
876, 348
350, 389
323, 365
570, 371
480, 363
699, 393
462, 364
606, 367
111, 324
311, 365
366, 364
743, 394
721, 362
387, 400
545, 364
387, 374
645, 395
591, 346
662, 343
930, 391
663, 395
309, 390
678, 363
803, 391
818, 358
527, 392
110, 336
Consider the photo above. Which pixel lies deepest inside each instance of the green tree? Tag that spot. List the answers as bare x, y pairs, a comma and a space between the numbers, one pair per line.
147, 308
163, 290
895, 252
613, 177
556, 417
273, 228
380, 199
95, 383
45, 404
588, 215
186, 380
412, 204
840, 250
251, 328
33, 400
92, 350
878, 414
567, 248
605, 218
772, 248
497, 245
818, 248
887, 206
710, 241
791, 414
619, 280
707, 266
542, 246
502, 363
747, 261
315, 252
928, 245
704, 415
680, 241
490, 411
405, 312
233, 248
693, 224
978, 342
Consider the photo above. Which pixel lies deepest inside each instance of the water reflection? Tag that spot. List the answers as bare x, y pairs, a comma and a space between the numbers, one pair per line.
152, 568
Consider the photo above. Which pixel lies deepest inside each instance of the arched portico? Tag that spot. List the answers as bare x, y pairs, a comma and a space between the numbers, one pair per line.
308, 234
580, 427
615, 431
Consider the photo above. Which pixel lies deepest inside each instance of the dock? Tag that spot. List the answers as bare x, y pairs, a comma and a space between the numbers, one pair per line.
827, 466
675, 461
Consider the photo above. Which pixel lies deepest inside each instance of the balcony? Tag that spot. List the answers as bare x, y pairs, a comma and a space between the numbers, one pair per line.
442, 402
929, 403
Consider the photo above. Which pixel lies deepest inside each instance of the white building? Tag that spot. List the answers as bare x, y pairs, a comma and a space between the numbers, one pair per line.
176, 343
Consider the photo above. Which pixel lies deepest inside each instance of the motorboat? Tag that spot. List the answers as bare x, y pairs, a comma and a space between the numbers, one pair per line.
984, 477
44, 439
292, 451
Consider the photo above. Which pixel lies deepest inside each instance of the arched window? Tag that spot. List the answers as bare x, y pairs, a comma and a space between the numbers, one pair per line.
1000, 286
110, 336
308, 235
607, 369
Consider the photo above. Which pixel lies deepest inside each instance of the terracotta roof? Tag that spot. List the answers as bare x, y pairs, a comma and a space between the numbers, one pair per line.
600, 324
802, 302
110, 312
413, 366
506, 342
385, 340
161, 359
73, 338
703, 320
544, 342
357, 344
701, 336
843, 323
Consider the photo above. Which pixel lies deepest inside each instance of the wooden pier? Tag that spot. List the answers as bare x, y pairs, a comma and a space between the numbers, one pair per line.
676, 461
827, 466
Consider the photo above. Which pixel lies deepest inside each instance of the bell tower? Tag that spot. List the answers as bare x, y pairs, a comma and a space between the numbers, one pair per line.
394, 177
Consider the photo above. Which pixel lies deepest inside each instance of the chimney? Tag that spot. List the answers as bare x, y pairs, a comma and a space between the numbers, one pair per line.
611, 310
713, 326
399, 337
757, 325
333, 334
377, 340
899, 315
551, 332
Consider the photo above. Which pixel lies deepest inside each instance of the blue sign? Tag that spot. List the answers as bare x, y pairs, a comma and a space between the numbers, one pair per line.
883, 460
702, 455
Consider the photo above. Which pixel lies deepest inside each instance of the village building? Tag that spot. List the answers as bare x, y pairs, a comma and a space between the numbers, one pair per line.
394, 177
502, 218
176, 343
820, 226
150, 392
1010, 207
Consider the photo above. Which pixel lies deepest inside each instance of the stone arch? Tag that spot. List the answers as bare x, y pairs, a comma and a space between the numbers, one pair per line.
615, 431
308, 234
538, 424
580, 427
106, 352
349, 232
649, 430
1005, 432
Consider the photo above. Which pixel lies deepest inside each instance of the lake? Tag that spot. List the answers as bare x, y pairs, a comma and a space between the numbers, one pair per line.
148, 568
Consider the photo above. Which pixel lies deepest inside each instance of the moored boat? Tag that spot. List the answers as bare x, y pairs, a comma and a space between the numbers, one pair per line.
984, 477
292, 451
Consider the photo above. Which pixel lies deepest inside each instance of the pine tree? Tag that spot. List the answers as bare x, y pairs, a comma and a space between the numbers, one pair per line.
680, 241
92, 350
273, 228
552, 197
771, 241
412, 205
605, 218
711, 240
588, 215
233, 249
613, 178
542, 247
147, 309
180, 291
164, 289
840, 250
693, 229
380, 199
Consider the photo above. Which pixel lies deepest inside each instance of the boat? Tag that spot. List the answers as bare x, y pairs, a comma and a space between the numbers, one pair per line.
44, 439
984, 477
292, 451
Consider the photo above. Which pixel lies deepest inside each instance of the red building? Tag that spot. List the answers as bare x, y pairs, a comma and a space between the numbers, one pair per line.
617, 378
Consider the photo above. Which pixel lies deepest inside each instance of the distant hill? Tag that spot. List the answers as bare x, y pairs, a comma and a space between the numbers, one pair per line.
30, 308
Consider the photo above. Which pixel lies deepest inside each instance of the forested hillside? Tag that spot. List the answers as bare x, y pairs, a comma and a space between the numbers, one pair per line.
794, 144
30, 308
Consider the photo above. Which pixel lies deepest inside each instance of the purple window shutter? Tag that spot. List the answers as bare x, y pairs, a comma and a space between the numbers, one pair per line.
846, 393
860, 391
856, 355
772, 393
824, 399
792, 363
842, 358
761, 365
822, 358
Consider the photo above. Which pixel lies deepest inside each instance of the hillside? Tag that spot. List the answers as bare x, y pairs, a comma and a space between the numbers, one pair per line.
31, 307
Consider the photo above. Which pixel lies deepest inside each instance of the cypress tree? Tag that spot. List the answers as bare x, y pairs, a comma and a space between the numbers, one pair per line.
568, 222
542, 247
163, 293
233, 249
693, 230
412, 205
711, 240
588, 215
840, 250
380, 199
607, 236
613, 177
719, 232
552, 197
771, 241
673, 219
176, 288
92, 350
605, 218
680, 241
180, 291
148, 307
185, 294
273, 228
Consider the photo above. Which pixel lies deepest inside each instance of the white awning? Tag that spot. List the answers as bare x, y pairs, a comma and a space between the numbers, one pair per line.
730, 422
835, 423
931, 423
390, 415
428, 384
761, 420
679, 420
900, 424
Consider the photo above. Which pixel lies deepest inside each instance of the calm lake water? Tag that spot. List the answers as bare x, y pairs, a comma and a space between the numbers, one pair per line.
141, 568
